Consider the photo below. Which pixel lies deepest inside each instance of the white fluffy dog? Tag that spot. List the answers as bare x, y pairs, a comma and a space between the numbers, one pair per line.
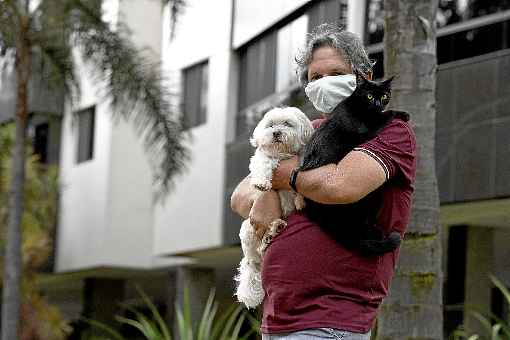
279, 135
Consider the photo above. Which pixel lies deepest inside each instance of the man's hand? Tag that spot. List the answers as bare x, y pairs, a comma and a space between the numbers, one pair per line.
281, 174
265, 210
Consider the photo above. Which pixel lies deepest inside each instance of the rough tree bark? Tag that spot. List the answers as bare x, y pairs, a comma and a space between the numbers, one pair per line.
414, 308
13, 263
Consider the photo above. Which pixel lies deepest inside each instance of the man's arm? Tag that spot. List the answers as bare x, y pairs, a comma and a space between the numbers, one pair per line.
242, 198
261, 207
354, 177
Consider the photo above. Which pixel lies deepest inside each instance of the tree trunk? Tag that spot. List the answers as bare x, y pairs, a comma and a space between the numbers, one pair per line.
413, 309
13, 262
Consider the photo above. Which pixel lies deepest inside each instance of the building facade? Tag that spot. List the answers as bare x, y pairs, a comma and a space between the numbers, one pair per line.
229, 61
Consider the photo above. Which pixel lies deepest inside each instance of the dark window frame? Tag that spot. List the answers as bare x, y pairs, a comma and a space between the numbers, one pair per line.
85, 152
195, 82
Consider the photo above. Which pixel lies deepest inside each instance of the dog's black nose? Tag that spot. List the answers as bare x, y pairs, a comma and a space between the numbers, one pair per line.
277, 134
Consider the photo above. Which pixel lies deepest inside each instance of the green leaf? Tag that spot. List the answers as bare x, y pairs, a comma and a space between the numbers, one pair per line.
103, 327
162, 325
207, 316
149, 335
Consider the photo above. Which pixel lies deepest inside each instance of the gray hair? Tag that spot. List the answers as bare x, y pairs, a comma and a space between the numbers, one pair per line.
348, 44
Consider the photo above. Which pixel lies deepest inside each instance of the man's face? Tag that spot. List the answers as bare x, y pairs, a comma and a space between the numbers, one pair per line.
326, 61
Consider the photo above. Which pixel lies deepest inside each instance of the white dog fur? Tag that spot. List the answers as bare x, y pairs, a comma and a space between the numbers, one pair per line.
280, 134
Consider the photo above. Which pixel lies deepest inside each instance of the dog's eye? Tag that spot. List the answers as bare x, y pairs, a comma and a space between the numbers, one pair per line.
287, 124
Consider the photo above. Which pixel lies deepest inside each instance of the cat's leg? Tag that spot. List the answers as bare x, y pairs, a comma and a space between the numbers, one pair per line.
261, 170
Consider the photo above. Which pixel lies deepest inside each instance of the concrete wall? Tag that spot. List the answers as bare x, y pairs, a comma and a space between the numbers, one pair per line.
106, 207
191, 218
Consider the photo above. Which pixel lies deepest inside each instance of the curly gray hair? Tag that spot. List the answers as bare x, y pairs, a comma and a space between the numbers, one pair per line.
348, 44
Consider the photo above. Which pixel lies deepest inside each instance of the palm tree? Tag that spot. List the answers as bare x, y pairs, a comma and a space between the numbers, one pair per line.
414, 308
38, 319
46, 31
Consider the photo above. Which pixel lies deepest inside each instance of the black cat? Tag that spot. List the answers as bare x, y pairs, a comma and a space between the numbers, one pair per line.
354, 121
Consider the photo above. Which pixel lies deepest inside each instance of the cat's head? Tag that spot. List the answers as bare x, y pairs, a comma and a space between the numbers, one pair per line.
373, 95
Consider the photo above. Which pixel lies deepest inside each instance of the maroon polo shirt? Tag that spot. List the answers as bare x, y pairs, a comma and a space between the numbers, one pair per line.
312, 281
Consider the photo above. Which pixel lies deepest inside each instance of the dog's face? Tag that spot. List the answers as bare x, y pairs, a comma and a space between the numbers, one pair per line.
282, 131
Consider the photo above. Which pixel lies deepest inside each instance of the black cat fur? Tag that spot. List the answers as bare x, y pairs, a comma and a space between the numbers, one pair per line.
354, 121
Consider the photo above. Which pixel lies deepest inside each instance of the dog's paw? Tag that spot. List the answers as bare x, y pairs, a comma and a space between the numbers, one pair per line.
262, 185
277, 226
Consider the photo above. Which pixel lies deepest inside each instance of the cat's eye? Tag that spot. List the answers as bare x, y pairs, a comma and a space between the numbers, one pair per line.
370, 97
384, 97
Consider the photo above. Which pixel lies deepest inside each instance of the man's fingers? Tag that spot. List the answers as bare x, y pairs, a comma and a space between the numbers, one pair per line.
260, 228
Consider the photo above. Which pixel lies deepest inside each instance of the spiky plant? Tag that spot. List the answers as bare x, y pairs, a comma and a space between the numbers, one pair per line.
495, 327
226, 326
45, 33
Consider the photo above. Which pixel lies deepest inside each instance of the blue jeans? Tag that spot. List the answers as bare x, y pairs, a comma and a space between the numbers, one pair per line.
317, 333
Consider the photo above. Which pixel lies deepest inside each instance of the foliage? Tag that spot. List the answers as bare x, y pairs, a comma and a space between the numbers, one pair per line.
129, 78
39, 319
496, 328
226, 326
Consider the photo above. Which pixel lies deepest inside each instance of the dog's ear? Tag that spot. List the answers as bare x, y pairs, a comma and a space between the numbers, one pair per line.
305, 127
253, 142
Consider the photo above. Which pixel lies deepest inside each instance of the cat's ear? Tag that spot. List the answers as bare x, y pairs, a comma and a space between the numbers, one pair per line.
360, 77
388, 81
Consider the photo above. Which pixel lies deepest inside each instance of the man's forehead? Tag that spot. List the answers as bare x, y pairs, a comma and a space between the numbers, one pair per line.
327, 59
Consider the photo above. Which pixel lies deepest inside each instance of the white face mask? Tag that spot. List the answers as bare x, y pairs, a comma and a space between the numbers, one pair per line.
327, 92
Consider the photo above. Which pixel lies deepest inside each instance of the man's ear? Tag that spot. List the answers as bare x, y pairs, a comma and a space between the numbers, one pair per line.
360, 78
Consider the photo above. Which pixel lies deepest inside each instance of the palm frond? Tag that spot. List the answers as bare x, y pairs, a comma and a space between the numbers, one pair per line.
9, 26
50, 38
134, 83
176, 9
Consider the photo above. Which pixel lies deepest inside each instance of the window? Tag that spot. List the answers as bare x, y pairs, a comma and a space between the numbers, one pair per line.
375, 22
290, 39
329, 11
257, 70
466, 28
86, 120
40, 142
194, 100
449, 12
454, 11
267, 64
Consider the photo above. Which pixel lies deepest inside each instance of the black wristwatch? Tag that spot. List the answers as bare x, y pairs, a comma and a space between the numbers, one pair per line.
293, 178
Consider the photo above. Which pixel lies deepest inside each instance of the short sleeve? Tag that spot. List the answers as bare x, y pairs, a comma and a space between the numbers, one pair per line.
394, 148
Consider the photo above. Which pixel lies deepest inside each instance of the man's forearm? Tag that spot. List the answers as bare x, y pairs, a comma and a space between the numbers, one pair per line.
242, 198
324, 185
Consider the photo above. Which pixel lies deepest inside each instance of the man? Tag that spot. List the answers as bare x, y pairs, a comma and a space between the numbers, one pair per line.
315, 288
